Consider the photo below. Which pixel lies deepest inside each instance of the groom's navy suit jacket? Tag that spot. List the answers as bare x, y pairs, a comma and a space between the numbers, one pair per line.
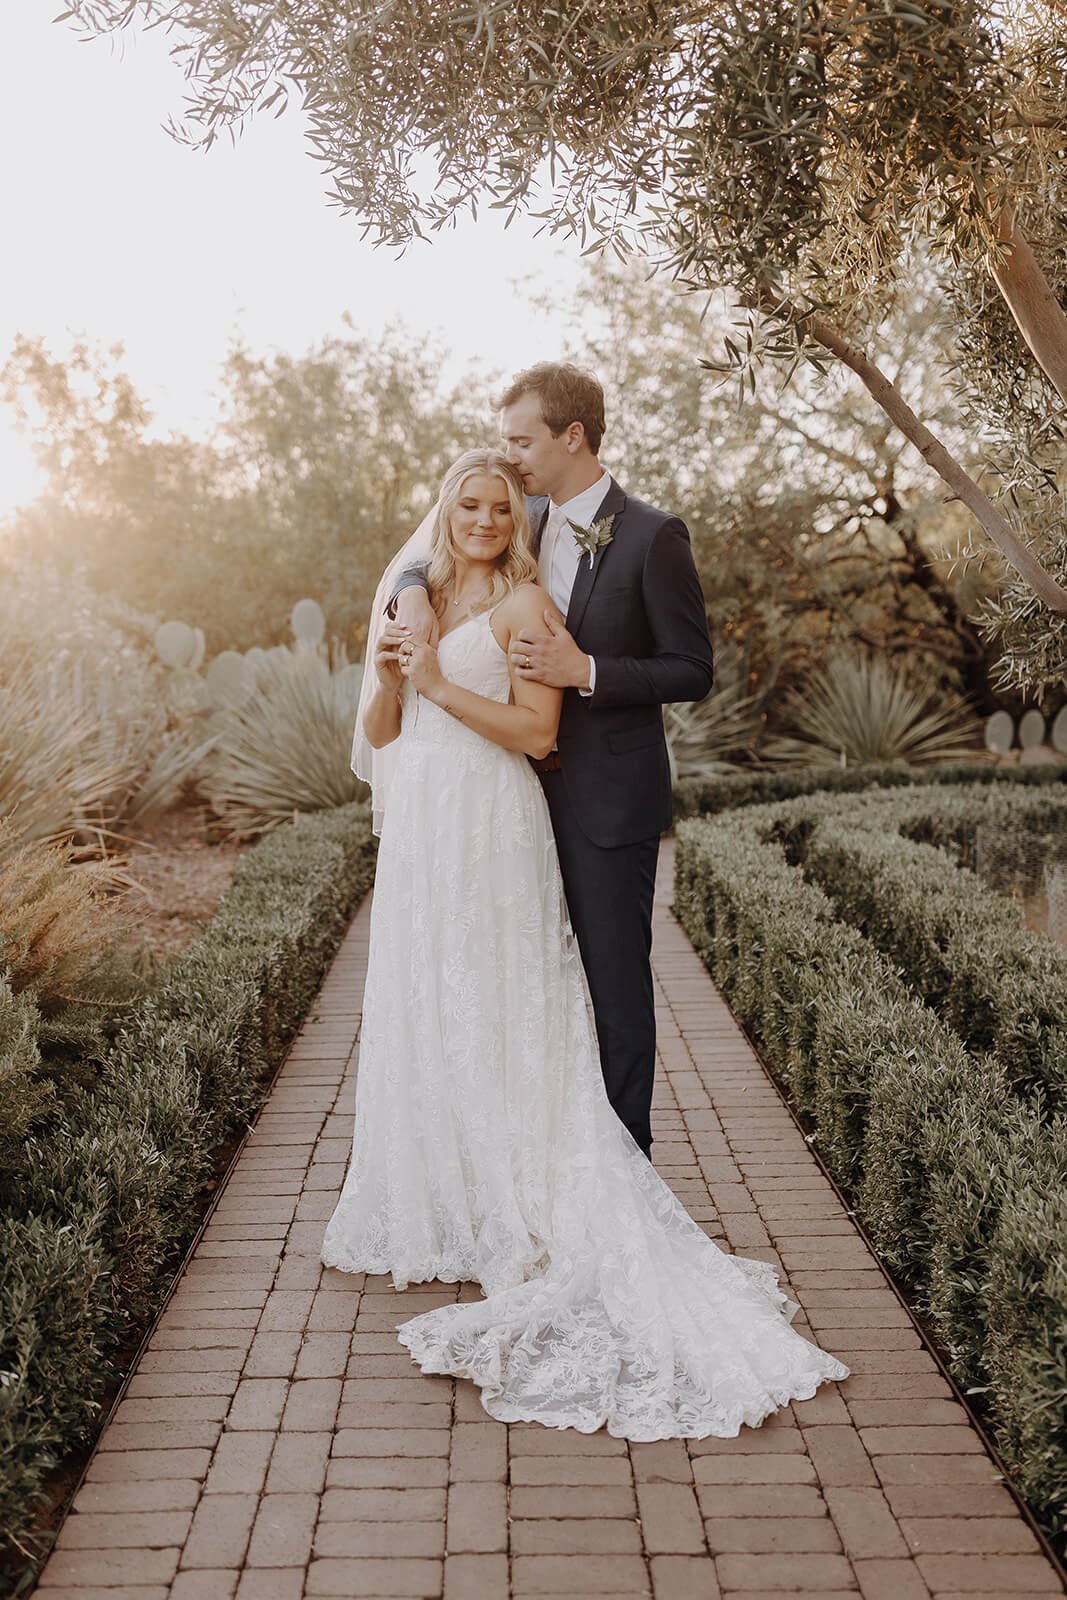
638, 610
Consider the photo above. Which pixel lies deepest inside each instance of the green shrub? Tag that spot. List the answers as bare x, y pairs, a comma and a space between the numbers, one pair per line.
51, 1317
1027, 1352
925, 1073
119, 1180
734, 790
24, 1093
949, 1154
961, 946
863, 1036
913, 902
775, 970
984, 1154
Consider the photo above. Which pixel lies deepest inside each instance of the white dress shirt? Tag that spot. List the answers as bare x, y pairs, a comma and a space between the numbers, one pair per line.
557, 565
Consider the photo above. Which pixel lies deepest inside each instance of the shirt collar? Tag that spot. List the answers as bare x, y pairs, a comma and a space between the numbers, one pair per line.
582, 507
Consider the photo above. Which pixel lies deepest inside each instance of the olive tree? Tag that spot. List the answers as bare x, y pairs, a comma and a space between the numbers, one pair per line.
794, 150
811, 527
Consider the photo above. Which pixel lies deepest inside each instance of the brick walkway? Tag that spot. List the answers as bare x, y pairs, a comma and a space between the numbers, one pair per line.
267, 1451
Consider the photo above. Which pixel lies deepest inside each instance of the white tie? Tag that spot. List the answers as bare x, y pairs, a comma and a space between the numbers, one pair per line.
548, 566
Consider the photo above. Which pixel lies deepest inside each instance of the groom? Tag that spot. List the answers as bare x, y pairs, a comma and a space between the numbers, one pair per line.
636, 638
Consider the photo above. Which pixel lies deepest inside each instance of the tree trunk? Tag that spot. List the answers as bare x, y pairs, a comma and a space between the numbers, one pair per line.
974, 656
1029, 297
933, 452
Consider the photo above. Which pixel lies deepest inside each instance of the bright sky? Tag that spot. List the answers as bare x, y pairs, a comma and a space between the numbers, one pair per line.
116, 233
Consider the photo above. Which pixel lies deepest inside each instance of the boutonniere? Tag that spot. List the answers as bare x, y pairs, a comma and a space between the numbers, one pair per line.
590, 540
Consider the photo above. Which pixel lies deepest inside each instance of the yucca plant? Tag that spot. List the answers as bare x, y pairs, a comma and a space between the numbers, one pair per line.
53, 782
86, 747
717, 734
57, 918
284, 747
858, 710
154, 740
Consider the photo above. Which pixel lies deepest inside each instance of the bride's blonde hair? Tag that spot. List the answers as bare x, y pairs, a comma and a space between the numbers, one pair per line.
517, 564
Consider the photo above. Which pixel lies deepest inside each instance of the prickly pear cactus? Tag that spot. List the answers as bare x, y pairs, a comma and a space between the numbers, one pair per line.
178, 645
308, 623
228, 679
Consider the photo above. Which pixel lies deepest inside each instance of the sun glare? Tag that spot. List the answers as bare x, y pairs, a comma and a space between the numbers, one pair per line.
21, 479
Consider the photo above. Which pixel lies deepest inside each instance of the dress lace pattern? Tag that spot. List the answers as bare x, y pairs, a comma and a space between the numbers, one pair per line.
485, 1146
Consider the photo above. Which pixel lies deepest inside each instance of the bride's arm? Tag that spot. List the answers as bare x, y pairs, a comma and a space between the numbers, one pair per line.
528, 724
381, 720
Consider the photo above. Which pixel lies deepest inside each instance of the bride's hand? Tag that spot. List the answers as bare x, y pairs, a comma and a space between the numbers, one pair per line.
386, 659
418, 663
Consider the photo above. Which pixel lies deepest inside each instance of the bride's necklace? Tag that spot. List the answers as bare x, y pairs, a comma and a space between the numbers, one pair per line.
479, 599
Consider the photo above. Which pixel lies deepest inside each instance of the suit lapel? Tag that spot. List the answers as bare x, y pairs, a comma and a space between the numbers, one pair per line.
612, 505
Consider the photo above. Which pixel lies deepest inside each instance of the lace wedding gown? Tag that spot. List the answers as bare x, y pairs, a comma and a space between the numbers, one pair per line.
485, 1146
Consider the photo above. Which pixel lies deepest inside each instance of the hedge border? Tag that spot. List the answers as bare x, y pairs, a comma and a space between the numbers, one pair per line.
763, 787
110, 1201
960, 944
884, 1079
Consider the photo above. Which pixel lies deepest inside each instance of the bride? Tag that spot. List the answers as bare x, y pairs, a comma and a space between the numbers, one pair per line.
485, 1145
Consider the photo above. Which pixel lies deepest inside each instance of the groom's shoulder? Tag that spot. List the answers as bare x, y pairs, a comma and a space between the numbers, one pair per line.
649, 518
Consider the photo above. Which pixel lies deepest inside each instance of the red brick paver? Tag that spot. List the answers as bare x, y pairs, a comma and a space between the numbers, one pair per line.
276, 1442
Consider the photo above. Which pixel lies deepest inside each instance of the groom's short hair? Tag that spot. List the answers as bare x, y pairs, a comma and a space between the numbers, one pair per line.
566, 393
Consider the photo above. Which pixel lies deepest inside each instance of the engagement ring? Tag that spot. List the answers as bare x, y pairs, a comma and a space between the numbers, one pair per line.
526, 661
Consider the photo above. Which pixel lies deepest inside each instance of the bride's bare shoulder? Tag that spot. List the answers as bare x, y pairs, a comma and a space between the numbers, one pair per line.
526, 604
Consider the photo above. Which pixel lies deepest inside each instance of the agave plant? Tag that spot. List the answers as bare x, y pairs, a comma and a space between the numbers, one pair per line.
85, 747
55, 780
285, 745
858, 710
719, 733
58, 919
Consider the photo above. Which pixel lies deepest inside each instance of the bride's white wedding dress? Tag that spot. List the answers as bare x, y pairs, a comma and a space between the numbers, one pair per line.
485, 1146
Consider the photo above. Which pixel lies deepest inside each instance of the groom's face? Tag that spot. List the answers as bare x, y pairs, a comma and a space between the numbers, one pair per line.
542, 457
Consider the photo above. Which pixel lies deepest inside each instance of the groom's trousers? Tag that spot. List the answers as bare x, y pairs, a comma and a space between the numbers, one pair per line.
609, 896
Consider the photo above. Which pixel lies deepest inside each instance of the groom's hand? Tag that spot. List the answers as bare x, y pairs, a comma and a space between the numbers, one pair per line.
555, 661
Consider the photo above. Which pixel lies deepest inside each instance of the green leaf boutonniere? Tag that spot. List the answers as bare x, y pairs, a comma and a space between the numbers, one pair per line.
590, 540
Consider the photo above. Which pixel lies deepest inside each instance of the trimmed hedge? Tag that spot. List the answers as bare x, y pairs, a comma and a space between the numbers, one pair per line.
109, 1200
952, 1162
960, 945
764, 786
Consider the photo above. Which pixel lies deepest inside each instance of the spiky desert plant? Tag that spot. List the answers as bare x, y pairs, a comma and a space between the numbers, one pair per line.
858, 710
717, 734
87, 746
55, 778
153, 748
58, 919
285, 748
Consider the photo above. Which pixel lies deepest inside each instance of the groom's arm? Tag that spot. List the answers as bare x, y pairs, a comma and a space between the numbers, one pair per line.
409, 604
681, 666
413, 577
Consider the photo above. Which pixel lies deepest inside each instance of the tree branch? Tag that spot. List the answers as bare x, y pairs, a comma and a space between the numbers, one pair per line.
933, 452
1029, 297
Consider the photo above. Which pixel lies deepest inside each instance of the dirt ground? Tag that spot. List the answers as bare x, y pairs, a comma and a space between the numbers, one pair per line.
179, 873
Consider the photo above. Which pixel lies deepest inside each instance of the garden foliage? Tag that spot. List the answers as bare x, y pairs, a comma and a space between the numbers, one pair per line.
907, 1012
104, 1191
729, 792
